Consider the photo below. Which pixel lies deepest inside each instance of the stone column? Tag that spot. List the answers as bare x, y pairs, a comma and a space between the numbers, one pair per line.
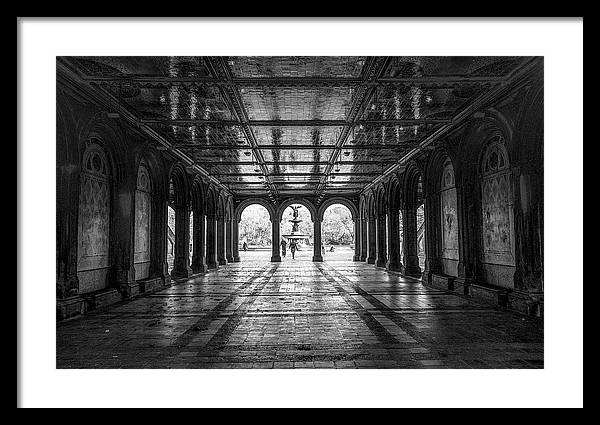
364, 244
162, 241
199, 244
229, 240
372, 240
381, 241
275, 239
122, 237
394, 262
236, 240
317, 251
466, 263
411, 260
221, 256
211, 242
181, 266
356, 240
433, 237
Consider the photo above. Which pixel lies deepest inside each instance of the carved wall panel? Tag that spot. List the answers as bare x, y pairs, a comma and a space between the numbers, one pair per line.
143, 208
497, 209
449, 215
93, 251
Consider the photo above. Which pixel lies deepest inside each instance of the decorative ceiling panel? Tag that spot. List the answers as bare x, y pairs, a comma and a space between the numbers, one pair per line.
205, 135
373, 134
288, 155
395, 102
296, 66
119, 66
178, 102
296, 103
422, 66
318, 136
280, 169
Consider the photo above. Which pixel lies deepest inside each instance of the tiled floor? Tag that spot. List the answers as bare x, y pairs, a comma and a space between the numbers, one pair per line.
299, 314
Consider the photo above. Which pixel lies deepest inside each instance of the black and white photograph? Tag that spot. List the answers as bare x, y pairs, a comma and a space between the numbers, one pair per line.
295, 218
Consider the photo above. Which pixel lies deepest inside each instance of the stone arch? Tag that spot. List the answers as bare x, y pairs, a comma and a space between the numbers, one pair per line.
178, 186
393, 193
338, 200
198, 195
291, 201
239, 209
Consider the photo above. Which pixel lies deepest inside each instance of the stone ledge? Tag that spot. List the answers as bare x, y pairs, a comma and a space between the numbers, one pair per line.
443, 282
489, 294
531, 304
69, 307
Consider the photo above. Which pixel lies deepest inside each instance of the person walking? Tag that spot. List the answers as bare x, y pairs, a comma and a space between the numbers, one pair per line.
283, 247
293, 249
245, 246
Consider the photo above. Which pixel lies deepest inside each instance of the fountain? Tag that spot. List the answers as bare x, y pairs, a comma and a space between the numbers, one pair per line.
295, 235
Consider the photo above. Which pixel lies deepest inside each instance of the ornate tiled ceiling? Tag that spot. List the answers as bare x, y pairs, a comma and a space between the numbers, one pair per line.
293, 125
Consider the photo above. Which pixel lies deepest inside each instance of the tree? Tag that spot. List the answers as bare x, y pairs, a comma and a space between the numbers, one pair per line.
338, 227
255, 226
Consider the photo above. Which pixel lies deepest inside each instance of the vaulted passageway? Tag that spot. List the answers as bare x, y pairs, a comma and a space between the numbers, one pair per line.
433, 164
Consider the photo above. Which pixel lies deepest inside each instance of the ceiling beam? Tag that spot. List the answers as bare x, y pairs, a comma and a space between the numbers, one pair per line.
295, 81
295, 123
294, 174
188, 146
358, 162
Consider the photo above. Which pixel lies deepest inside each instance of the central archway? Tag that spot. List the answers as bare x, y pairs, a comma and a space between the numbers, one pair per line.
309, 212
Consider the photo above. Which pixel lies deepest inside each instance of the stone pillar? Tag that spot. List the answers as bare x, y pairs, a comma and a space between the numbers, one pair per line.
411, 260
221, 256
394, 261
381, 241
199, 244
433, 237
229, 240
181, 266
123, 235
317, 251
372, 240
466, 263
235, 226
162, 241
211, 242
275, 239
356, 240
364, 244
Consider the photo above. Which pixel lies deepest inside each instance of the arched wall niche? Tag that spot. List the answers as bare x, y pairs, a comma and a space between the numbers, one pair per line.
497, 213
95, 218
143, 222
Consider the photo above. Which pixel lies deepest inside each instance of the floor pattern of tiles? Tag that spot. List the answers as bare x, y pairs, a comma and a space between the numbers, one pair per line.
299, 314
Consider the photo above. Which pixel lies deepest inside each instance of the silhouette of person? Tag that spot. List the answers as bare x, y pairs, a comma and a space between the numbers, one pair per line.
293, 249
283, 246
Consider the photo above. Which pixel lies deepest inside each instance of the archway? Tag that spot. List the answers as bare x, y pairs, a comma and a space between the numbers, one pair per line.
297, 233
255, 233
338, 233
